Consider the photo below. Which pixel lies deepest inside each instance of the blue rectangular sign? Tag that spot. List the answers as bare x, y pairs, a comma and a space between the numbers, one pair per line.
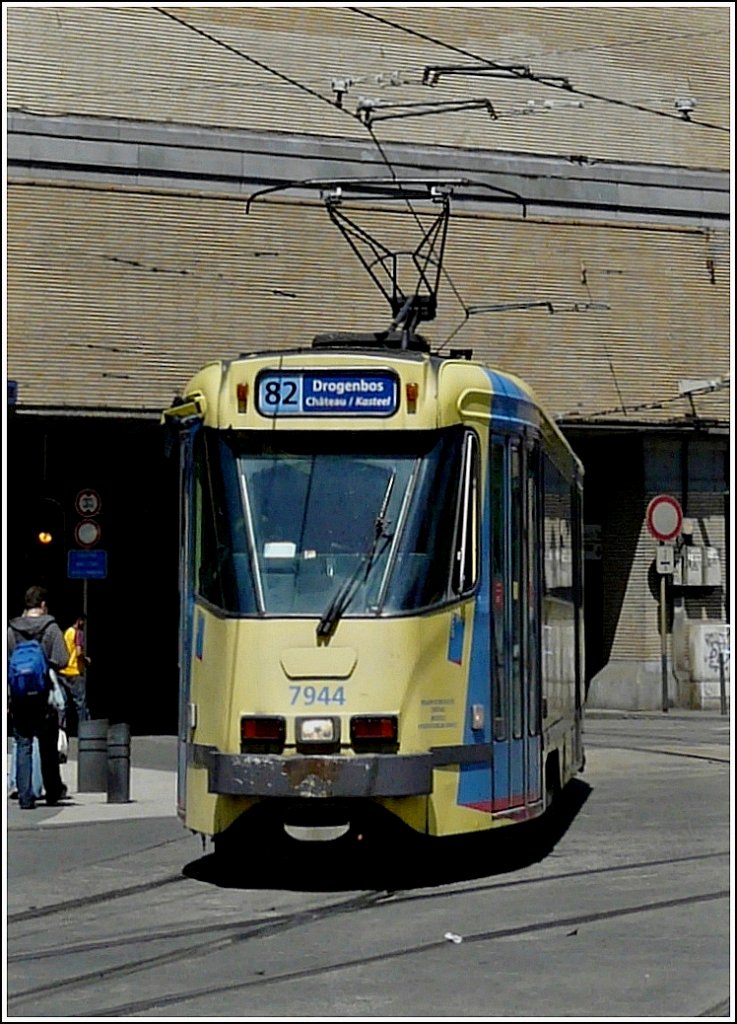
327, 393
87, 564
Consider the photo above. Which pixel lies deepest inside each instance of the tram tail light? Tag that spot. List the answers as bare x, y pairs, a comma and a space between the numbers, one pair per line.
374, 733
241, 394
262, 735
412, 392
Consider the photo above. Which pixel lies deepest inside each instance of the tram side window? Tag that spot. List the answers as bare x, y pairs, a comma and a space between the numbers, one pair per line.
533, 599
558, 597
498, 548
518, 594
558, 539
431, 530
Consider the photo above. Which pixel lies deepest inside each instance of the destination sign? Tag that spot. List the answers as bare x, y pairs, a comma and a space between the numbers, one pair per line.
326, 393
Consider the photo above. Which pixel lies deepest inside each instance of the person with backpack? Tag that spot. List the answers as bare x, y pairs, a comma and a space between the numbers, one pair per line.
38, 786
35, 645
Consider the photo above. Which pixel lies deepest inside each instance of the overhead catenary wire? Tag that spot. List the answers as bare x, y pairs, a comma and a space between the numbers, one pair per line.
540, 80
367, 124
392, 171
251, 60
607, 353
646, 406
319, 96
368, 127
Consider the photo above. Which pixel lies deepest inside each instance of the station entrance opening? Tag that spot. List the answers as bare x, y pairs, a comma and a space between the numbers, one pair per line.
118, 557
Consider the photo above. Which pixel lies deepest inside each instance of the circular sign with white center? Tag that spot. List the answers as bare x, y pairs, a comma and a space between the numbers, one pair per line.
88, 503
87, 533
664, 517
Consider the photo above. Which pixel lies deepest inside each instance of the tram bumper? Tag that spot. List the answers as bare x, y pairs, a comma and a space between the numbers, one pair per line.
317, 776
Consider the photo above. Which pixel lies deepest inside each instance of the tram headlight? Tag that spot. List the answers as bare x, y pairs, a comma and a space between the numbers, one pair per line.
316, 730
317, 734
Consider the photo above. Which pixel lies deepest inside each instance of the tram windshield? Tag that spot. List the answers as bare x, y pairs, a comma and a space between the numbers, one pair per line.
334, 524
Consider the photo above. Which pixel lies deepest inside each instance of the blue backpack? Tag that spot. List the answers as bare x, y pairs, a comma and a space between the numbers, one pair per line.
28, 669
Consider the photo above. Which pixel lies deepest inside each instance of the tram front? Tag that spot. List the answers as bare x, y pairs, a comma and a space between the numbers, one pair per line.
330, 552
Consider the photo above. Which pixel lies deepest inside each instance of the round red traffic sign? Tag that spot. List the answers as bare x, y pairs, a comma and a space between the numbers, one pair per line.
664, 517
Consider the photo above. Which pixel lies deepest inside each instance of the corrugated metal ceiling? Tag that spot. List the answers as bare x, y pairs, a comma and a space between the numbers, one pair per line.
271, 67
130, 313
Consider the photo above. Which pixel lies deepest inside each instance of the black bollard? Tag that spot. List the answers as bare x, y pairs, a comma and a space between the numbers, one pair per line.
92, 756
722, 684
118, 763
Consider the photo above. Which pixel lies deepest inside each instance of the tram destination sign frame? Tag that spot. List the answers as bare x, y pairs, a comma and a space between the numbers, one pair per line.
327, 393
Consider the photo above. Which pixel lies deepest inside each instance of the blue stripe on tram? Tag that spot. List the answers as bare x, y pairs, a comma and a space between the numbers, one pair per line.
474, 786
511, 406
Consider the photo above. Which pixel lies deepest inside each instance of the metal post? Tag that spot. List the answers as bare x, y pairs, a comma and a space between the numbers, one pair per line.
86, 637
663, 644
92, 756
722, 683
118, 763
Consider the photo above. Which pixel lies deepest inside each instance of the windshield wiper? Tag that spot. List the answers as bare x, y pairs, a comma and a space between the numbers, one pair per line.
342, 599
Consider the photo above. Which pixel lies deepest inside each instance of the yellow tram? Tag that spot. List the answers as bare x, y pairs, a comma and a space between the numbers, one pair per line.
381, 593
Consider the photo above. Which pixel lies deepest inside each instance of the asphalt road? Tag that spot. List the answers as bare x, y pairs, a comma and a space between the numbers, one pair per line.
620, 907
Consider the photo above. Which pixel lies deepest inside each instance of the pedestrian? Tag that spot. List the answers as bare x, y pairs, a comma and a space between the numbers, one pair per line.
37, 781
33, 716
74, 676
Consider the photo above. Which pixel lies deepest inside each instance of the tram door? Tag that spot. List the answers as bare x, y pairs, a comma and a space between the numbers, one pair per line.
514, 599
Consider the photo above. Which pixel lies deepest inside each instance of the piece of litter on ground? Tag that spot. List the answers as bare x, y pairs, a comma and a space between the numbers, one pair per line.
452, 937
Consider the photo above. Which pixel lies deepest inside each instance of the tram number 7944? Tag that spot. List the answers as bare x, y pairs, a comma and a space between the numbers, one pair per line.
308, 696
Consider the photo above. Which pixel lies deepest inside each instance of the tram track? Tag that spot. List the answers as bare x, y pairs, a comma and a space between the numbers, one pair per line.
81, 902
230, 934
115, 965
100, 899
711, 756
575, 921
97, 977
242, 932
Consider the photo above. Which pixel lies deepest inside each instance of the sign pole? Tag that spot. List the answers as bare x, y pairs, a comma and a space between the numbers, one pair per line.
663, 643
86, 622
87, 561
664, 519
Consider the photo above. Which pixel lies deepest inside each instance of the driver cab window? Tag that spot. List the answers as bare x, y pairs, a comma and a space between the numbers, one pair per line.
465, 568
214, 580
